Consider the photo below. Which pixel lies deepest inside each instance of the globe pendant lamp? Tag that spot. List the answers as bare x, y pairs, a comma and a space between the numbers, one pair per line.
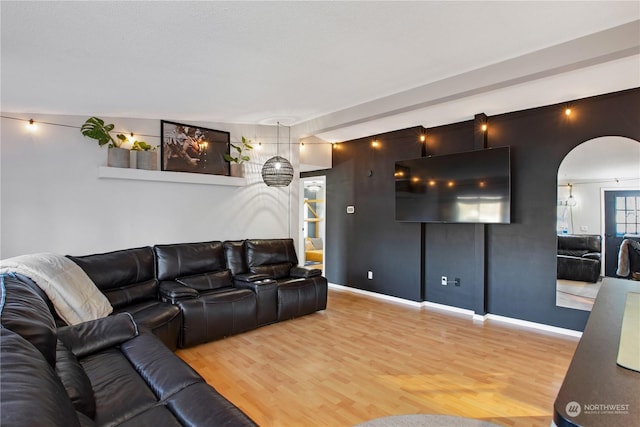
277, 171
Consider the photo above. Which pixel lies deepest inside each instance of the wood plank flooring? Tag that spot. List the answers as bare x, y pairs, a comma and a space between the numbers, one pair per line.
364, 358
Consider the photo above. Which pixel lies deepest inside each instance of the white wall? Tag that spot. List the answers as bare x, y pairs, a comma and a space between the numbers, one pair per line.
52, 200
588, 210
315, 155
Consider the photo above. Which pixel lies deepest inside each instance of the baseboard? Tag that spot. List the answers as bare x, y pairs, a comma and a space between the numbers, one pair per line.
470, 313
449, 308
375, 295
534, 325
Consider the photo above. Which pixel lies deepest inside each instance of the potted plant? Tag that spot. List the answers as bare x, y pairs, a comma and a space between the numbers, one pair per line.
236, 168
95, 128
146, 155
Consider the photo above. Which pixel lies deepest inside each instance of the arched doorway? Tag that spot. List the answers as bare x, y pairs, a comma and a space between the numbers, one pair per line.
597, 166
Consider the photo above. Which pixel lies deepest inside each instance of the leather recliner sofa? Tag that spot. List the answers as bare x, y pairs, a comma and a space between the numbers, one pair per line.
225, 288
102, 372
579, 257
300, 291
192, 293
128, 279
195, 277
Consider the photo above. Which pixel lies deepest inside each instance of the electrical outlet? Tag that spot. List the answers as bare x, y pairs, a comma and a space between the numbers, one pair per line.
443, 280
369, 274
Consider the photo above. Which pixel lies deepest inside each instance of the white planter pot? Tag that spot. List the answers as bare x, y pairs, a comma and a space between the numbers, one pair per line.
147, 160
236, 170
118, 157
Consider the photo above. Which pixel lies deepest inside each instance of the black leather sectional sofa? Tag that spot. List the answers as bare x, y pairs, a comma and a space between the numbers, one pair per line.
104, 372
192, 293
579, 257
120, 370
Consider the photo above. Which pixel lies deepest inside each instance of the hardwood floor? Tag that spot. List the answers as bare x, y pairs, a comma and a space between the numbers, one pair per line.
364, 358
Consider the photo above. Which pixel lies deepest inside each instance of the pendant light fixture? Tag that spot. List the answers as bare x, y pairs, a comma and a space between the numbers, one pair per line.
571, 201
277, 171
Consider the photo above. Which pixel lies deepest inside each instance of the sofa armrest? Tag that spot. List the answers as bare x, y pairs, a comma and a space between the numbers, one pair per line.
305, 272
90, 337
173, 291
250, 277
592, 255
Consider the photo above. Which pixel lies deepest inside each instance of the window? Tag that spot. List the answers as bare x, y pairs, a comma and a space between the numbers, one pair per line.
627, 221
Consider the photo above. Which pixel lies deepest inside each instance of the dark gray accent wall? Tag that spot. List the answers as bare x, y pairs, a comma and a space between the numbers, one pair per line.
371, 239
522, 255
510, 268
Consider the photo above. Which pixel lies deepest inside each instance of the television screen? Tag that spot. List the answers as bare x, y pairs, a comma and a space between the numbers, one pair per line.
469, 187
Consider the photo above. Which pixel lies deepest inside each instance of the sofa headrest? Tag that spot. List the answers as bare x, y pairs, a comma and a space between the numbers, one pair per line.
270, 251
24, 310
580, 242
119, 268
234, 252
187, 259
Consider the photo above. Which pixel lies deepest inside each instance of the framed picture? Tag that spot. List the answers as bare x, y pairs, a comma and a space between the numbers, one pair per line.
186, 148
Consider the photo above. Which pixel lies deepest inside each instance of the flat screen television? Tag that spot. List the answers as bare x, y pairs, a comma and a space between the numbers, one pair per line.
468, 187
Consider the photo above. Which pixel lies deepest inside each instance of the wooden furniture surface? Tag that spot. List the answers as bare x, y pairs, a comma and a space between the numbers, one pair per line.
596, 391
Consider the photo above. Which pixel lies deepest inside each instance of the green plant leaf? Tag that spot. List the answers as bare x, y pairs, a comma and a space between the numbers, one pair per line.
95, 128
142, 146
231, 159
122, 139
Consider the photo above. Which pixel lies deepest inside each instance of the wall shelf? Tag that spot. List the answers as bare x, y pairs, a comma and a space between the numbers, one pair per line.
165, 176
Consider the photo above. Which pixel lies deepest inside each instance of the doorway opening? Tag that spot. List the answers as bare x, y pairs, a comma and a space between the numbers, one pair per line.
595, 212
313, 219
621, 221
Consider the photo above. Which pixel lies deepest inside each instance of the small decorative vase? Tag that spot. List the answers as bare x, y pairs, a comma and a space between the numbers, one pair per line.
237, 170
118, 157
147, 160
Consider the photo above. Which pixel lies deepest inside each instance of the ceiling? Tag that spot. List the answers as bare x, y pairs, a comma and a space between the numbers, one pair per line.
337, 70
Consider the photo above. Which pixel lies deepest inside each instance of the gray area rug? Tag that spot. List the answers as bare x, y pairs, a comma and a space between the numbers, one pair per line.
420, 420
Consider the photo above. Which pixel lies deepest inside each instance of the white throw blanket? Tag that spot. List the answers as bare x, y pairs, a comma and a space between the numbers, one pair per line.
73, 294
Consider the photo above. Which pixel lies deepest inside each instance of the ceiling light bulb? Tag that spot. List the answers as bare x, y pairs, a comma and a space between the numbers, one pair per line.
31, 125
567, 111
278, 165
